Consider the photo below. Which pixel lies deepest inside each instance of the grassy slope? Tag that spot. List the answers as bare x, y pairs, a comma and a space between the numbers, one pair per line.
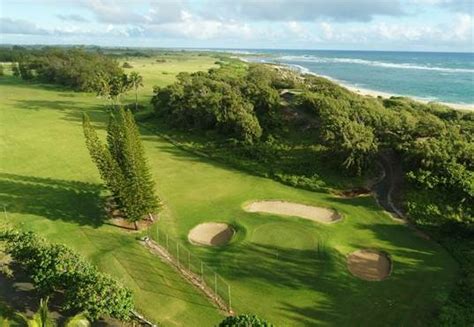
49, 184
273, 267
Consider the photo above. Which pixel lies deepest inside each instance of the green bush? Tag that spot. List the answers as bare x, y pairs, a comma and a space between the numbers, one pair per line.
73, 68
56, 268
244, 320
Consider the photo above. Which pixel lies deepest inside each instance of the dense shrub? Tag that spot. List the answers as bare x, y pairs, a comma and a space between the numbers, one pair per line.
73, 68
200, 102
244, 320
54, 267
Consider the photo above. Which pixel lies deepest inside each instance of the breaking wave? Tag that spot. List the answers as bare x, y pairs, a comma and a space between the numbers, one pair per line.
308, 58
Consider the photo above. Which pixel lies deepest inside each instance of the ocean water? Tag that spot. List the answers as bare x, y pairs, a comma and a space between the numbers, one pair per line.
443, 77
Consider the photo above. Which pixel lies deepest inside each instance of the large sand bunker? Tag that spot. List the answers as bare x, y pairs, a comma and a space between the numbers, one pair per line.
369, 264
322, 215
211, 234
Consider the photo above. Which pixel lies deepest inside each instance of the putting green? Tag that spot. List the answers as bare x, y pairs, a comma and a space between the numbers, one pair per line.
274, 234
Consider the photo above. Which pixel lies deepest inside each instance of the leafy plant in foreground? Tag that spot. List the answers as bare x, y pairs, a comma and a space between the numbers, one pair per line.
56, 268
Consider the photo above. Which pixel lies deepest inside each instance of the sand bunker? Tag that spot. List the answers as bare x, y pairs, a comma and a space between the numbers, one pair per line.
369, 264
322, 215
211, 234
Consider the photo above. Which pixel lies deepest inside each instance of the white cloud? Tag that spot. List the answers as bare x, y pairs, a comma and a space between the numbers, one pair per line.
20, 27
72, 17
459, 31
465, 28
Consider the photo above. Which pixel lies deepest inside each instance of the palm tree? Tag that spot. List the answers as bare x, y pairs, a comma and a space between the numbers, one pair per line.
136, 80
42, 318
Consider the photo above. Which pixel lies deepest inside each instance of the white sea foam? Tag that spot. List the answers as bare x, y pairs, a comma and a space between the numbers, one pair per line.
309, 58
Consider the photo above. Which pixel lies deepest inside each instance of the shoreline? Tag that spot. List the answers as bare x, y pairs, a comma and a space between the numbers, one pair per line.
375, 93
365, 91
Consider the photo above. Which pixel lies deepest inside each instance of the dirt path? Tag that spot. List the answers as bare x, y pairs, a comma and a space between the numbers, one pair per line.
388, 190
390, 184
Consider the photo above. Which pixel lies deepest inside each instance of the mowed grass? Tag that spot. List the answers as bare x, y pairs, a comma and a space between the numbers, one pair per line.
274, 266
49, 184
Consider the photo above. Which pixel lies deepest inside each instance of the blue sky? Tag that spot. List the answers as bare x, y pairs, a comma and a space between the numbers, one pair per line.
413, 25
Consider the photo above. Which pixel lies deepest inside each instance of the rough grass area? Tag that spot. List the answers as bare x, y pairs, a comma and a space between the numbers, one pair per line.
288, 270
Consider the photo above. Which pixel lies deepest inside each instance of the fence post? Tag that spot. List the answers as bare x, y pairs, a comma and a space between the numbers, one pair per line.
202, 272
177, 252
189, 260
215, 283
230, 302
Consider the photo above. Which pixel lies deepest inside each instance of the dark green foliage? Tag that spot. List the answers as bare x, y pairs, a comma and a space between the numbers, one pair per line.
244, 320
73, 68
2, 70
26, 70
113, 87
15, 70
104, 160
122, 164
351, 140
198, 101
137, 191
459, 240
56, 268
236, 102
135, 81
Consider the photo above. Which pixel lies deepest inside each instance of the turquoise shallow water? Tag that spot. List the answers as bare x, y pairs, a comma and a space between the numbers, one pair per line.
445, 77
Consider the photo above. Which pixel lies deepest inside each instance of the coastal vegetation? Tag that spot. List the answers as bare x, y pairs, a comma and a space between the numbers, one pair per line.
209, 138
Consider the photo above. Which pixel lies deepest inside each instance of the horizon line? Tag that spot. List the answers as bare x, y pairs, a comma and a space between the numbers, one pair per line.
219, 48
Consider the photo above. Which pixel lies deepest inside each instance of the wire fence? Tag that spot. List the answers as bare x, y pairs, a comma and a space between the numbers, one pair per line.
200, 272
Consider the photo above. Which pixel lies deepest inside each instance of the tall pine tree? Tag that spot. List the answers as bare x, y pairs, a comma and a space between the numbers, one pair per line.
108, 168
122, 165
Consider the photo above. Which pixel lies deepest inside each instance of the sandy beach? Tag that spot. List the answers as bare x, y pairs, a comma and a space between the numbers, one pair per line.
367, 92
364, 91
373, 93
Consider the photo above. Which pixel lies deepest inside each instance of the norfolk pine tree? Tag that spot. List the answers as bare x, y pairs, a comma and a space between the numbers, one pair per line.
108, 168
122, 165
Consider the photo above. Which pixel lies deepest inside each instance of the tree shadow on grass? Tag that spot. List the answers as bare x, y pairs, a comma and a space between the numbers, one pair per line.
72, 109
54, 199
410, 294
18, 82
293, 161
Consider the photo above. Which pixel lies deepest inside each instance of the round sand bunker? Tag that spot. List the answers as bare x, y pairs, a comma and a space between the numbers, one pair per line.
369, 265
322, 215
211, 234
